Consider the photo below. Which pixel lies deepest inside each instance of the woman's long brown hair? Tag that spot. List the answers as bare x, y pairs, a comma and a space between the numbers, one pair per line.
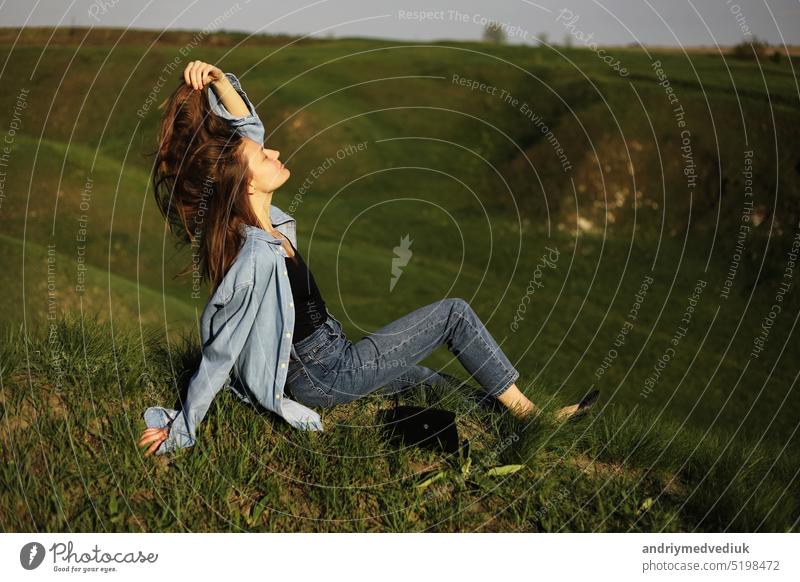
200, 182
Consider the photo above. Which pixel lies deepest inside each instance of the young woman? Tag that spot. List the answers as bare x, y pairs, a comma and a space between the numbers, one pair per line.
214, 181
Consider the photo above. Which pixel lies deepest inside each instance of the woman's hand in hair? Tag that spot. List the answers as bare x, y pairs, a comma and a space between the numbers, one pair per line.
155, 436
199, 74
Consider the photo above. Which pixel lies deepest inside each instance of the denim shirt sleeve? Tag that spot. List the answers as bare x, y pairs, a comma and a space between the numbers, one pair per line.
247, 125
232, 323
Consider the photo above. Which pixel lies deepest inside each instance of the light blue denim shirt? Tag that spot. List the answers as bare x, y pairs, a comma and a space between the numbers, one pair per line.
246, 326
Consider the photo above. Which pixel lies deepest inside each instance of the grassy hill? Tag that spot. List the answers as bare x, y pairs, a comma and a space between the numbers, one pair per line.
693, 431
71, 421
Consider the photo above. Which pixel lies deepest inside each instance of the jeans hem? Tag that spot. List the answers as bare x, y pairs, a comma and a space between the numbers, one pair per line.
505, 385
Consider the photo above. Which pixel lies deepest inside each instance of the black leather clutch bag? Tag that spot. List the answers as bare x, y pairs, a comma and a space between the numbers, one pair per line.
430, 428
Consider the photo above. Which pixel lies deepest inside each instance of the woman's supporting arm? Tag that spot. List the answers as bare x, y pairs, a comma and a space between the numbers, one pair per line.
233, 323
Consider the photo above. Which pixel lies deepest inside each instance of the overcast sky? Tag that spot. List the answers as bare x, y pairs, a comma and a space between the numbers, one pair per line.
654, 22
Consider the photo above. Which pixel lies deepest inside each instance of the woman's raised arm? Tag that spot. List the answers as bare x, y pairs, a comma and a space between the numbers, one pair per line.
198, 74
230, 97
227, 99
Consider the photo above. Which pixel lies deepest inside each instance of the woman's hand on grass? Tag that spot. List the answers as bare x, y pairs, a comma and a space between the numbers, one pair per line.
155, 436
199, 74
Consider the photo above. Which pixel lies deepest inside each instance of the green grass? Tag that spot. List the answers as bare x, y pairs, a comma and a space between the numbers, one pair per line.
70, 457
481, 193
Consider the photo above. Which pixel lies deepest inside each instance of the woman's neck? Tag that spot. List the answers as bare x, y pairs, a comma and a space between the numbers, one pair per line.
261, 208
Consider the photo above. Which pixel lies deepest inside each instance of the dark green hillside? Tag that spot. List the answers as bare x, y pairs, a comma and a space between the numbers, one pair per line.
698, 418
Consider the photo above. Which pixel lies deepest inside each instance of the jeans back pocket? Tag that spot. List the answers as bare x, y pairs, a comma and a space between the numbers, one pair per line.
304, 387
327, 355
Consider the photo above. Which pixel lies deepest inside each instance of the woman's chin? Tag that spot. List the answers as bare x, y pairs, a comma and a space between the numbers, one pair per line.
278, 183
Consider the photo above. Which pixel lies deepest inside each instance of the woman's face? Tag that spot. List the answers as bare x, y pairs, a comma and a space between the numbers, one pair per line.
268, 173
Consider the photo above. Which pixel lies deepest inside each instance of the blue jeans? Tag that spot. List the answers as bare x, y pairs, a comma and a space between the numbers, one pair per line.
330, 369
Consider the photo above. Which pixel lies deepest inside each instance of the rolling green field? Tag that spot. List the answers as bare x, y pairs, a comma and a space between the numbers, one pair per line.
669, 198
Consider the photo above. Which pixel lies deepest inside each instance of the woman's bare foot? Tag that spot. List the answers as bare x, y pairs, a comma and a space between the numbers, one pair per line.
567, 411
518, 403
521, 407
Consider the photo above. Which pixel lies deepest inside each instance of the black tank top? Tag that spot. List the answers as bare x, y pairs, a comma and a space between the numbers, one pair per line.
309, 307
